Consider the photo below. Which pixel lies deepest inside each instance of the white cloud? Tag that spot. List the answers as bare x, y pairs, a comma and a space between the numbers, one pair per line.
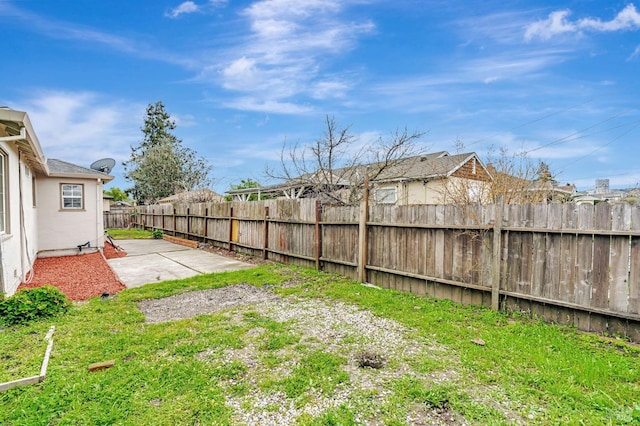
81, 127
555, 24
635, 54
81, 34
268, 106
329, 89
627, 19
182, 9
286, 51
558, 23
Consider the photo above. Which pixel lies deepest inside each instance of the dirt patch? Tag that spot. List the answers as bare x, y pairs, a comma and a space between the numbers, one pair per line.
78, 277
232, 254
190, 304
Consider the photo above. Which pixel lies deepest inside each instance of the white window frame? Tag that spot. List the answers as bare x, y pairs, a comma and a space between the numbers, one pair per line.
4, 189
71, 196
386, 195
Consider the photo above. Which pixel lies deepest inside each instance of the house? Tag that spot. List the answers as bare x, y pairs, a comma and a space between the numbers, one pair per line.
107, 200
194, 196
48, 207
424, 179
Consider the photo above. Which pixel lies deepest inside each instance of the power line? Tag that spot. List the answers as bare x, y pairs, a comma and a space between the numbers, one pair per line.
637, 124
565, 139
544, 117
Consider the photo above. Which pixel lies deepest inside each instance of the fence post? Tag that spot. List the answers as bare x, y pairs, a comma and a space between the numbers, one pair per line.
188, 224
362, 232
174, 222
265, 234
497, 255
318, 234
206, 225
230, 228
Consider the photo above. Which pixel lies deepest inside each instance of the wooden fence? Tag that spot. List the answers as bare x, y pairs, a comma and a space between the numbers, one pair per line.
572, 264
118, 219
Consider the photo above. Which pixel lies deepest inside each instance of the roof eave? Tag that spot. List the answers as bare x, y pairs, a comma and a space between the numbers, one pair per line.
35, 155
104, 178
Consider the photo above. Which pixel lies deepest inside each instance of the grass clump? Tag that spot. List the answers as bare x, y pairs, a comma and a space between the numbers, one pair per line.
129, 234
32, 305
211, 368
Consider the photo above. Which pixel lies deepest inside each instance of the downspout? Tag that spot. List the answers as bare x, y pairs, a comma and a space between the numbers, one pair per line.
24, 242
98, 211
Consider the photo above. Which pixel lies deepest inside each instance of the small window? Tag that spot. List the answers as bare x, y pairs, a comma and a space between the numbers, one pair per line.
33, 191
385, 196
72, 196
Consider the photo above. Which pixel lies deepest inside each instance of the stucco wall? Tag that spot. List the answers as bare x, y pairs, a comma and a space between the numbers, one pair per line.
18, 245
63, 230
416, 192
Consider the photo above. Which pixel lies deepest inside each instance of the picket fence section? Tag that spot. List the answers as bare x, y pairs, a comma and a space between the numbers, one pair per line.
567, 263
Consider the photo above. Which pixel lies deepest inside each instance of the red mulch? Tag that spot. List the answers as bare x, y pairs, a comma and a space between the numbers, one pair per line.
110, 251
78, 277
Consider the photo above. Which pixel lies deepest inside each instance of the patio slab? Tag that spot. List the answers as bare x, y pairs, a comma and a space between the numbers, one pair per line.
151, 261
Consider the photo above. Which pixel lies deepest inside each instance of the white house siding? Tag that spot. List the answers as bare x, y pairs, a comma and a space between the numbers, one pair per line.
62, 231
19, 243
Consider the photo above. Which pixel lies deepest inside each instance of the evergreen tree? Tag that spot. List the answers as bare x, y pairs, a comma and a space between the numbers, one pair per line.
160, 166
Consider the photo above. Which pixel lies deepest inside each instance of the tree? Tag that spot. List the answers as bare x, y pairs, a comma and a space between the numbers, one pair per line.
160, 166
117, 194
246, 184
335, 166
514, 180
543, 174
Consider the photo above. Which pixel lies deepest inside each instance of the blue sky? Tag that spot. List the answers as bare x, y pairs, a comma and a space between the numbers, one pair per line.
559, 80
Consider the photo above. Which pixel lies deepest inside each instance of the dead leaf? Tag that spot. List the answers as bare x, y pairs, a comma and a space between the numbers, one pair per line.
478, 341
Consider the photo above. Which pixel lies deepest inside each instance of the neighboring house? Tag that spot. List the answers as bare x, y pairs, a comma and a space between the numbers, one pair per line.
426, 179
47, 207
121, 206
195, 196
106, 202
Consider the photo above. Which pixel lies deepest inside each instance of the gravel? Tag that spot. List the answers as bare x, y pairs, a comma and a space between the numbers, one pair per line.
329, 326
190, 304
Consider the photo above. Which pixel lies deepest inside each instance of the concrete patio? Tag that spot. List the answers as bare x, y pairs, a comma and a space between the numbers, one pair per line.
151, 261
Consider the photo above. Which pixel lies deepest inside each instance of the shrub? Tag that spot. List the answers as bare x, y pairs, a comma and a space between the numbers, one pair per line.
157, 234
32, 305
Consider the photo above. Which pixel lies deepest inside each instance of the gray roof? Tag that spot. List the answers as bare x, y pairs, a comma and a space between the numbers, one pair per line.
63, 168
431, 166
436, 165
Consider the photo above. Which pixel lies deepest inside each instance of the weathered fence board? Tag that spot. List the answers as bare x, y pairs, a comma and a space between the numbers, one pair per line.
117, 219
576, 264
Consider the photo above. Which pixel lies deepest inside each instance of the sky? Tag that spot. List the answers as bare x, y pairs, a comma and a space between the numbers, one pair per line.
558, 81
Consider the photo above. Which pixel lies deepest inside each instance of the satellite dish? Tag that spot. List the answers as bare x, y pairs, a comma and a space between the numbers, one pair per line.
104, 165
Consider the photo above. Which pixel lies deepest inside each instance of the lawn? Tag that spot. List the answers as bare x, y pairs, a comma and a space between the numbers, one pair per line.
298, 360
129, 234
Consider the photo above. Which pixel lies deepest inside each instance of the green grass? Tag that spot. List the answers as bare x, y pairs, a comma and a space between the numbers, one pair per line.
189, 371
129, 234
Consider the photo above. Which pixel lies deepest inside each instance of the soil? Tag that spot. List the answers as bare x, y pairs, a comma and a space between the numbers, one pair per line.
78, 277
232, 254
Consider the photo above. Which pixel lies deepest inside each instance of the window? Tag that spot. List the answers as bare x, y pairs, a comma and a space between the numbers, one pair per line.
33, 190
72, 196
3, 192
385, 195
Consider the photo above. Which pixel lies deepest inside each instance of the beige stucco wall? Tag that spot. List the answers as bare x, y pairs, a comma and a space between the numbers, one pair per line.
61, 231
437, 191
18, 245
416, 192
